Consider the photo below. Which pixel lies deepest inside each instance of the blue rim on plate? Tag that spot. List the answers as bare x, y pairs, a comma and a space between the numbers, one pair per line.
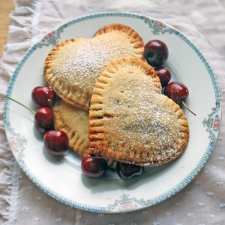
211, 123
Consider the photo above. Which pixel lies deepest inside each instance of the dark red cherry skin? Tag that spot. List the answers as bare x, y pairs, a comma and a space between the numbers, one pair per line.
56, 142
44, 96
93, 166
44, 119
176, 91
156, 53
164, 75
128, 171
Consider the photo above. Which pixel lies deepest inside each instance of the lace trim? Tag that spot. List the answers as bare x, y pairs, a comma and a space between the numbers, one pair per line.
23, 19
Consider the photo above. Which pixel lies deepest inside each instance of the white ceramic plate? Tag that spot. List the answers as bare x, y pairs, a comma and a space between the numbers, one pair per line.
63, 180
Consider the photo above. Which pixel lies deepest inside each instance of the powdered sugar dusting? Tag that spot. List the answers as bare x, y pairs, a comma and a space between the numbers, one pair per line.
140, 117
81, 62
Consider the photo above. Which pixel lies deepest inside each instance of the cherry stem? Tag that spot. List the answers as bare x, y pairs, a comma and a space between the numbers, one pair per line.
186, 107
14, 100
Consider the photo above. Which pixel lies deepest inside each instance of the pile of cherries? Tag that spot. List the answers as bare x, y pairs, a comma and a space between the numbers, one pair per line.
156, 53
56, 142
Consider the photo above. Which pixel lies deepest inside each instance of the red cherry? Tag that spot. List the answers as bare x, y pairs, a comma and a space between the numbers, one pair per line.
128, 171
164, 75
44, 96
176, 91
156, 52
44, 119
93, 166
56, 142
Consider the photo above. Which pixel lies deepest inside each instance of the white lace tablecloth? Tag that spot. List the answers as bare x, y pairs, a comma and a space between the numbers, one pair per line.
202, 202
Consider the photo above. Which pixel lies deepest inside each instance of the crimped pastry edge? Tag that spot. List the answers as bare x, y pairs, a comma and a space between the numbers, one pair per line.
64, 91
76, 142
135, 39
97, 143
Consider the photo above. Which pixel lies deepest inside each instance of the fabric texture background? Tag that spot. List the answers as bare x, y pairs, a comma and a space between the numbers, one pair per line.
202, 202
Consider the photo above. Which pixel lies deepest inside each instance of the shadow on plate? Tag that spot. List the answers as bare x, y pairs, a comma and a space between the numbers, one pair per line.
111, 180
51, 158
37, 134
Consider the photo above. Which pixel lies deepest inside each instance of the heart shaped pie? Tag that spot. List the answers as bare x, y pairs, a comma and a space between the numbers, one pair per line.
131, 121
74, 122
73, 66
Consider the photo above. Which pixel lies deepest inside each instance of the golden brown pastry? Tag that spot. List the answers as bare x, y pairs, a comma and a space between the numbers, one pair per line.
72, 67
131, 121
74, 122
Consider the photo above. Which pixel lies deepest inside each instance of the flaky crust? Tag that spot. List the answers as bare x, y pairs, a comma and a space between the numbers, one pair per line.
135, 38
73, 93
74, 123
98, 141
